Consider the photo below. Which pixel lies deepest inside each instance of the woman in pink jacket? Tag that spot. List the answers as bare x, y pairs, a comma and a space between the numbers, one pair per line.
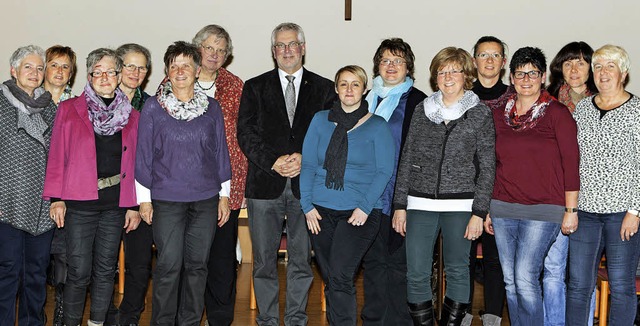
90, 182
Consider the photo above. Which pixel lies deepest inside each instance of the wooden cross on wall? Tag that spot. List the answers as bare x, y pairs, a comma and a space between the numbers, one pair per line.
347, 10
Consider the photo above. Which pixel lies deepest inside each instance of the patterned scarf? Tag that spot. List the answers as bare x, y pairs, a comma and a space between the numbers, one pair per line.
335, 158
66, 94
390, 96
564, 96
107, 120
136, 101
437, 112
179, 110
529, 119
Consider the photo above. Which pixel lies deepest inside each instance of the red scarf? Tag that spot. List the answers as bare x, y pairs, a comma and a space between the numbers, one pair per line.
564, 96
529, 119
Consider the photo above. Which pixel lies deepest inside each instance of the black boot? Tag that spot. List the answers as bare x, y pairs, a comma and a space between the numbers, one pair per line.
422, 313
452, 312
58, 314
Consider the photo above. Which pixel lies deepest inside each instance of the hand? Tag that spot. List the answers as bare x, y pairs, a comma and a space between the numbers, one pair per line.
629, 226
399, 221
223, 211
312, 221
293, 165
488, 226
131, 220
358, 217
57, 212
569, 223
279, 165
474, 228
244, 203
146, 212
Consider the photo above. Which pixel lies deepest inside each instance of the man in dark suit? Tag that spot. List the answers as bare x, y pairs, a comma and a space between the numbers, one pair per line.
275, 111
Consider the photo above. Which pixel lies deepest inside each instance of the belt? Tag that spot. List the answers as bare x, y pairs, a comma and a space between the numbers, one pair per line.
108, 182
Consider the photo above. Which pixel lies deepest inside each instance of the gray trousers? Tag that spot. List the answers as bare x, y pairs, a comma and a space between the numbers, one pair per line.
266, 218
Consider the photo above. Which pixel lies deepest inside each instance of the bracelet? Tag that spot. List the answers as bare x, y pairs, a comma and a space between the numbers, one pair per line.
570, 210
634, 212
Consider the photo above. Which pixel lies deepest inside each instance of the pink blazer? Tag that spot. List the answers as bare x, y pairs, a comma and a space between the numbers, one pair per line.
72, 173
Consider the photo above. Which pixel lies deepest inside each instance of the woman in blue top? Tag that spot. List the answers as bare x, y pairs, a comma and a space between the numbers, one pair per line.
347, 160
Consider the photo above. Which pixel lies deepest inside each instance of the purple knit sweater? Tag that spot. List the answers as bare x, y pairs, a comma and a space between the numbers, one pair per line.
181, 161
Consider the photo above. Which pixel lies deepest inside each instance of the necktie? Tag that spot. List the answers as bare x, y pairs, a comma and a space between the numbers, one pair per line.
290, 98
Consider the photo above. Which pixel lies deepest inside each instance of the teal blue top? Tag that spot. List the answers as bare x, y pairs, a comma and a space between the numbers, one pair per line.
370, 163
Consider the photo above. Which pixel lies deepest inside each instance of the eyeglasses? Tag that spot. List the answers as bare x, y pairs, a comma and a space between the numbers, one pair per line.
485, 56
98, 73
131, 68
395, 62
293, 45
453, 73
211, 50
533, 74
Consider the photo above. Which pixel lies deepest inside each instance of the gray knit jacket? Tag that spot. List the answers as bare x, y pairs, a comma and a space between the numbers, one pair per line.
23, 159
452, 161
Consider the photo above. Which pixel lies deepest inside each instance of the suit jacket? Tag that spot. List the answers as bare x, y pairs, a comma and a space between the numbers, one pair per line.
264, 133
72, 172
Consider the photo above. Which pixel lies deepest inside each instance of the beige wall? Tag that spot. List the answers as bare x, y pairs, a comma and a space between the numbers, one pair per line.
331, 42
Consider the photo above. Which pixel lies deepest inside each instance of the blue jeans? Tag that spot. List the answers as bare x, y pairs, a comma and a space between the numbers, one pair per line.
554, 288
522, 247
23, 272
597, 233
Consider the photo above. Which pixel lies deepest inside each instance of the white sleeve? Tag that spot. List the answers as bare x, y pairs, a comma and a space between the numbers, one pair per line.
143, 194
226, 188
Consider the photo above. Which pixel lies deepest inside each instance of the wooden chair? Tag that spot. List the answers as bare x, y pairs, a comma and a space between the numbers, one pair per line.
121, 269
602, 300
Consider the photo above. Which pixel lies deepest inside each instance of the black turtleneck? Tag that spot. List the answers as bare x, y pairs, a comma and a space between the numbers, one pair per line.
487, 94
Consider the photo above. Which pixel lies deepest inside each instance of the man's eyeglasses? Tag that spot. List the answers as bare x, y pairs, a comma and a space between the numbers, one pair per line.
293, 45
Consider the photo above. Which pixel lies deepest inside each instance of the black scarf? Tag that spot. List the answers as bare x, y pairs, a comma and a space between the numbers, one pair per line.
335, 159
33, 105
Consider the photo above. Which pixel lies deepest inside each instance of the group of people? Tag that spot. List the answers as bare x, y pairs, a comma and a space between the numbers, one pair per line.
543, 177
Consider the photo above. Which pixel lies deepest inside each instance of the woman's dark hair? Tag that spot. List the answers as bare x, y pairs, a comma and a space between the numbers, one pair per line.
527, 55
571, 51
397, 47
183, 48
490, 39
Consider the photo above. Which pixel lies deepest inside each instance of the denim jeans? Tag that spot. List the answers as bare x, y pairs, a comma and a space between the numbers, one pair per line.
93, 240
522, 247
554, 288
422, 233
23, 272
339, 248
597, 233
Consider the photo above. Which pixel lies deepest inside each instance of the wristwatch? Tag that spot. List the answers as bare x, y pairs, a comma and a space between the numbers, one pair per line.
570, 210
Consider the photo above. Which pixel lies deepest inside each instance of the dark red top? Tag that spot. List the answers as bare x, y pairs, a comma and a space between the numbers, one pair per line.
537, 166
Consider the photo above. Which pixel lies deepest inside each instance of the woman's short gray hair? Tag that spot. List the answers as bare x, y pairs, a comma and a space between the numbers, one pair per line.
287, 27
125, 49
96, 55
22, 52
217, 31
614, 53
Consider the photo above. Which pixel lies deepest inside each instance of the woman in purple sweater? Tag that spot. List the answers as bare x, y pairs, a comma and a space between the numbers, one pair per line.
536, 185
182, 171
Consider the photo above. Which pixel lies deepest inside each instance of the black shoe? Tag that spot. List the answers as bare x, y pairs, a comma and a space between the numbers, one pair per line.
422, 313
58, 313
452, 312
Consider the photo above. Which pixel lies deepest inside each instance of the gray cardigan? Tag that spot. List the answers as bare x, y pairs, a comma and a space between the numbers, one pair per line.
23, 158
452, 161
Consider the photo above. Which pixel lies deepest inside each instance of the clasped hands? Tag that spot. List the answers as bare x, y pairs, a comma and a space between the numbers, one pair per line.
288, 165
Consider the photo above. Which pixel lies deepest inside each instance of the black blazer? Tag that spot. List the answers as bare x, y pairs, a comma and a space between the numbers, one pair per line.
264, 133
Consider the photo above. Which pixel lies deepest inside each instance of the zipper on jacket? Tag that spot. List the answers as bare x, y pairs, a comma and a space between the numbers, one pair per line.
444, 147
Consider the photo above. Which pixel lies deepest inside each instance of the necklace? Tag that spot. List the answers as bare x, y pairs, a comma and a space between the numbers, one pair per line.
210, 87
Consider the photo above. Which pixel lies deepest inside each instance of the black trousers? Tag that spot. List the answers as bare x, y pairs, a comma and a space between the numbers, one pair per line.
339, 248
385, 280
138, 253
182, 232
93, 239
220, 294
494, 293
